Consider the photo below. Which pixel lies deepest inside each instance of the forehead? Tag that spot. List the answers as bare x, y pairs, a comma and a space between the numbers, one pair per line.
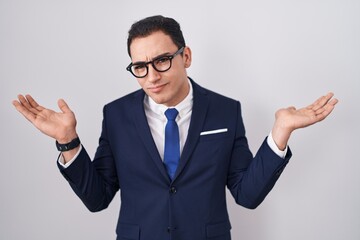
146, 48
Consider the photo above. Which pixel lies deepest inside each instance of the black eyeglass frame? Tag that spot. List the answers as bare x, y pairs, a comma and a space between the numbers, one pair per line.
170, 57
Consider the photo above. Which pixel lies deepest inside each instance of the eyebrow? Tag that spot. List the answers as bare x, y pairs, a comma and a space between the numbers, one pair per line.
158, 56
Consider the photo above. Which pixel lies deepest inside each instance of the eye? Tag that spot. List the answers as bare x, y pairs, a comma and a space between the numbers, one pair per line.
161, 60
139, 67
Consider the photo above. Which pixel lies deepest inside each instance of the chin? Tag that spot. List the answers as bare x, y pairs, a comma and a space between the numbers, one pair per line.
158, 99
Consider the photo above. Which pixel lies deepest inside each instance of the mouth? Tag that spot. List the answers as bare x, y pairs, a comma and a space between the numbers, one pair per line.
157, 88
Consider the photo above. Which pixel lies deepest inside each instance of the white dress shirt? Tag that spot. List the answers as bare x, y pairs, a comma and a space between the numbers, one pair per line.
155, 114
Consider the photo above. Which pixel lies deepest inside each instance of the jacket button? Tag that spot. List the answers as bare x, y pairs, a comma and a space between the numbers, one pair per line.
170, 229
173, 190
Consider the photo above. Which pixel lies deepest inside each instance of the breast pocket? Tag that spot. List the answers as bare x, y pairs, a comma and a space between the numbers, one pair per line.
209, 135
212, 152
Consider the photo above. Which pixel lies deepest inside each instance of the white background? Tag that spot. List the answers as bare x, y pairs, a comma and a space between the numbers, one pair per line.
267, 54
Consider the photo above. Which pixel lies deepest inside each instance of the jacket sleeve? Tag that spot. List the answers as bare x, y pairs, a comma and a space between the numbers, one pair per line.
250, 178
94, 182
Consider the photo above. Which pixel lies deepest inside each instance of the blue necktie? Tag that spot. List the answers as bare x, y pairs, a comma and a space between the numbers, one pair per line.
172, 142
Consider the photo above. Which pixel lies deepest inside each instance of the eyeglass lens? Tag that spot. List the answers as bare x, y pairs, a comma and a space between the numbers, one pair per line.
161, 65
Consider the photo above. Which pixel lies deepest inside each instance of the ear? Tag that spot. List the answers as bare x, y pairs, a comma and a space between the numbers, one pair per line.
187, 57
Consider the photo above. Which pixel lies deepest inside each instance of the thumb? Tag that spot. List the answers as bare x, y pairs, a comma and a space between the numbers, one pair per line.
63, 106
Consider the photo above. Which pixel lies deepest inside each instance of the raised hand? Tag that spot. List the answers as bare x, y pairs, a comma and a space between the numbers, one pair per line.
58, 125
289, 119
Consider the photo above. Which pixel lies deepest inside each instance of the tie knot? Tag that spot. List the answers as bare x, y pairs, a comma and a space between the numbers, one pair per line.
171, 114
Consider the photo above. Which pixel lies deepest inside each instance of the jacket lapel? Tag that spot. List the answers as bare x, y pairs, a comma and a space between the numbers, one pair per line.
144, 132
199, 110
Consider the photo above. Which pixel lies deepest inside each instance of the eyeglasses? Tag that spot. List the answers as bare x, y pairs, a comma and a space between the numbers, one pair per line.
160, 64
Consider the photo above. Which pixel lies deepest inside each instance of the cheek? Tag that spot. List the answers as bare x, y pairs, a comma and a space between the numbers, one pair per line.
141, 82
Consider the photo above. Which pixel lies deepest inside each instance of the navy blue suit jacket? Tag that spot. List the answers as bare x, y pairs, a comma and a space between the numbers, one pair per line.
193, 205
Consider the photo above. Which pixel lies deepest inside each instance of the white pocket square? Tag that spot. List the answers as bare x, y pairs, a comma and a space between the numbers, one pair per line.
214, 131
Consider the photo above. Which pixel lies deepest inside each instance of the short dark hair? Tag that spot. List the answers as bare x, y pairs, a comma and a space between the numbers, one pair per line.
149, 25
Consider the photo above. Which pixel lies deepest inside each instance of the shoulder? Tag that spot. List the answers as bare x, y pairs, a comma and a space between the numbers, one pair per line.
215, 98
126, 101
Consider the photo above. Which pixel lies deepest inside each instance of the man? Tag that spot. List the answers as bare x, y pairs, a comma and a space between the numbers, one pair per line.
172, 170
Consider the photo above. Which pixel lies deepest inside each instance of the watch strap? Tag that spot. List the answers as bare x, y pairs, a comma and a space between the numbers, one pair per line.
68, 146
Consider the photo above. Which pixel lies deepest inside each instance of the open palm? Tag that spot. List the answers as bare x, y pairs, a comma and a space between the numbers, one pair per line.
299, 118
58, 125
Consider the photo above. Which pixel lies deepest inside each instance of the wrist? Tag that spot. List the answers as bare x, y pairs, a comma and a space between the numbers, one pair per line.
64, 147
68, 137
281, 136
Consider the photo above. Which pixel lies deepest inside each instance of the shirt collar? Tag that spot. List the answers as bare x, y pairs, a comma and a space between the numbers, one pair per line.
184, 107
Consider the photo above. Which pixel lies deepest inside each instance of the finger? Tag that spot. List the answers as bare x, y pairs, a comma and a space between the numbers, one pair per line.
30, 104
322, 101
24, 111
329, 105
333, 101
33, 103
324, 114
23, 101
320, 111
63, 106
314, 105
326, 110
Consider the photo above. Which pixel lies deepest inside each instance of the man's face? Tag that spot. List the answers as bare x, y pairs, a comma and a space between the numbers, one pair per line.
170, 87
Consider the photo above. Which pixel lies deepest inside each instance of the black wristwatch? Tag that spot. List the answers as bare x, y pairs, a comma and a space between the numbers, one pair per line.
68, 146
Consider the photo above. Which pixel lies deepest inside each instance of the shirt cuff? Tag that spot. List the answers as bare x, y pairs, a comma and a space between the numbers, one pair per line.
62, 161
272, 145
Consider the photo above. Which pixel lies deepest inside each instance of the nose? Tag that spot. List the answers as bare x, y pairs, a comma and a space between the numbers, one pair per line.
153, 75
